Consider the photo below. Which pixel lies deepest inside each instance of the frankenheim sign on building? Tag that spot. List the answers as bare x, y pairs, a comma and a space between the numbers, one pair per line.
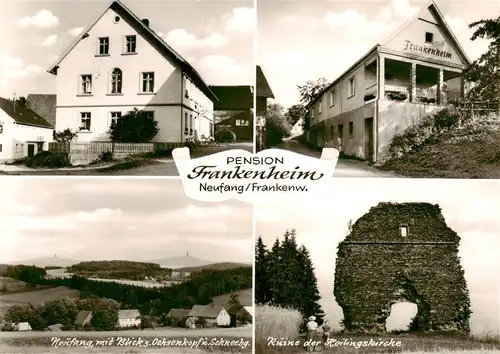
427, 50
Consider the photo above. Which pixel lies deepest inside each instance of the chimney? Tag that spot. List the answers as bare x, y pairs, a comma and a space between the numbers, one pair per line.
145, 21
22, 101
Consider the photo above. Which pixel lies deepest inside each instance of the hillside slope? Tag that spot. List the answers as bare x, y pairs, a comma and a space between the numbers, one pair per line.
468, 152
212, 266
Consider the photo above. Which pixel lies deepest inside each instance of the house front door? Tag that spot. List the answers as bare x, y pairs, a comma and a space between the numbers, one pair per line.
369, 139
31, 150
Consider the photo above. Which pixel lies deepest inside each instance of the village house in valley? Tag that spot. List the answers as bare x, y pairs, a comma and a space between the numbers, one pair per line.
129, 318
119, 63
22, 132
213, 314
234, 110
398, 82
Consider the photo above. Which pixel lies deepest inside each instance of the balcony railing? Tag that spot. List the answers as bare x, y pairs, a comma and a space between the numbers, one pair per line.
371, 92
396, 92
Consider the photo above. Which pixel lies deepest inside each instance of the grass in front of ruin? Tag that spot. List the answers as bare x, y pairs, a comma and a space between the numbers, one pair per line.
283, 323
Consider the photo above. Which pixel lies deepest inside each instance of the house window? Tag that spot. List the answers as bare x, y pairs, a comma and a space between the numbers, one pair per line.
116, 81
86, 84
149, 114
148, 82
242, 123
429, 37
130, 44
85, 121
341, 131
103, 46
351, 128
0, 147
332, 98
1, 128
319, 106
403, 229
191, 123
186, 123
115, 116
352, 87
186, 93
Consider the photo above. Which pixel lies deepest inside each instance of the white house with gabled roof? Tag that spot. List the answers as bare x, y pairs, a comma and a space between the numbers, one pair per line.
415, 72
119, 63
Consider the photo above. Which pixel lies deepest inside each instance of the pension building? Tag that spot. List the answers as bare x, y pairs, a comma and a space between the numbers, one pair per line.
413, 73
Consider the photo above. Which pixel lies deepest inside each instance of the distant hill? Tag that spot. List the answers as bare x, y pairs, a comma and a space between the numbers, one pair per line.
212, 266
49, 261
244, 296
181, 262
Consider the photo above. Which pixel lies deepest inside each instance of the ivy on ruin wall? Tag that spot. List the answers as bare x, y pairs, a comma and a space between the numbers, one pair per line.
376, 267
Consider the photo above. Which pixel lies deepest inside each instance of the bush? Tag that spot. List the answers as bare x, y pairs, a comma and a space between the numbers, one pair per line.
275, 322
134, 127
48, 159
446, 120
225, 136
423, 133
106, 156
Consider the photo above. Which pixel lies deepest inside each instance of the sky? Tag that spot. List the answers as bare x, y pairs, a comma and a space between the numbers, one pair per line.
306, 40
216, 37
109, 219
470, 208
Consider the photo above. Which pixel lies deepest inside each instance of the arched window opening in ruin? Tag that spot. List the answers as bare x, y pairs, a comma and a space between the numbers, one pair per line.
402, 314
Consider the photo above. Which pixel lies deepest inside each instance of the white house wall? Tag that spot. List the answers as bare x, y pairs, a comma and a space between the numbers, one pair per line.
83, 60
199, 109
166, 116
223, 319
342, 102
414, 32
14, 138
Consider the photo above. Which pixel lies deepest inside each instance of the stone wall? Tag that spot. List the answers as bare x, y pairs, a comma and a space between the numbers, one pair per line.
377, 267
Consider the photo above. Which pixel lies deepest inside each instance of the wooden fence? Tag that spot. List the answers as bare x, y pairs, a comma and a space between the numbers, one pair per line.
83, 153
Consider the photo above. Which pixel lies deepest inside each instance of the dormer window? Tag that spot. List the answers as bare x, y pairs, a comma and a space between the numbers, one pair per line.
403, 230
429, 37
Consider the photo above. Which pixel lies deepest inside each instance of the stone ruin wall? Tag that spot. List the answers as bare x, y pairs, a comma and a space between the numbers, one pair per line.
376, 267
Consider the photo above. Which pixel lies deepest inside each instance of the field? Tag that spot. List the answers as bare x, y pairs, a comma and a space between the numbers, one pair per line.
40, 342
283, 324
145, 284
35, 296
11, 285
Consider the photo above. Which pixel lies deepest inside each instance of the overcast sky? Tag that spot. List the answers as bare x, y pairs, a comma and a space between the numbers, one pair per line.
97, 219
470, 207
216, 36
305, 40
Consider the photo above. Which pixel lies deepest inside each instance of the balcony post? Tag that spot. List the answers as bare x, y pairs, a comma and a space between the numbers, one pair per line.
439, 87
413, 82
462, 87
381, 77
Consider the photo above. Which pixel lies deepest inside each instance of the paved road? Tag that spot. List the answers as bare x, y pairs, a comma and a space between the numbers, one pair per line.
344, 168
160, 167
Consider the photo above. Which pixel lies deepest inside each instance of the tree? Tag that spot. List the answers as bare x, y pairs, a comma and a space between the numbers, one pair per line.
308, 92
294, 282
134, 127
295, 113
65, 136
234, 299
277, 125
262, 276
485, 71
